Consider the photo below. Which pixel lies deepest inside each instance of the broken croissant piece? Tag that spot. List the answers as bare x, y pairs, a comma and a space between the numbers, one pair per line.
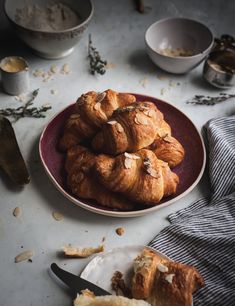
81, 181
71, 251
131, 128
173, 283
141, 177
87, 299
92, 110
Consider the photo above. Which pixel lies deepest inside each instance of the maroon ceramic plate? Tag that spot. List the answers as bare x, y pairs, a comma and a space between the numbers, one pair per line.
189, 171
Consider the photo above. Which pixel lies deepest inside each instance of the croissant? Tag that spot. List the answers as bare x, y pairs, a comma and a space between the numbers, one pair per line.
175, 284
141, 177
91, 111
166, 147
131, 128
80, 180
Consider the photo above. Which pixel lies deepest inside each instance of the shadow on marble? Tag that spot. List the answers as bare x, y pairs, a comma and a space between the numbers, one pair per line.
199, 82
61, 285
139, 59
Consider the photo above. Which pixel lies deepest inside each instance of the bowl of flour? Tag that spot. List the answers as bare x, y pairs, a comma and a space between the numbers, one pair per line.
51, 28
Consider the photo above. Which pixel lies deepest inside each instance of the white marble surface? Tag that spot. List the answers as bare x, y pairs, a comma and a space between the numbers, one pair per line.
118, 33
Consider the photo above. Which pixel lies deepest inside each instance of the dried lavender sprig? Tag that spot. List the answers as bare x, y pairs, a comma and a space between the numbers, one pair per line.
25, 110
97, 65
208, 100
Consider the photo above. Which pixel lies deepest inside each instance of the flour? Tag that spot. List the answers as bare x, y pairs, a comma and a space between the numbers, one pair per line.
55, 17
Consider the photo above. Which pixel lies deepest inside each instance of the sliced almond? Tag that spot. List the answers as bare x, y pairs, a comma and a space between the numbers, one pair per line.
17, 212
75, 116
112, 122
26, 255
120, 129
169, 278
65, 69
142, 120
167, 138
136, 120
57, 216
151, 113
162, 268
97, 106
153, 172
54, 69
128, 163
100, 97
72, 251
131, 156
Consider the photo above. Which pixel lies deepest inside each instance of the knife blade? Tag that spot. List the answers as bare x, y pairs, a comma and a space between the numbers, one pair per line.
11, 160
76, 283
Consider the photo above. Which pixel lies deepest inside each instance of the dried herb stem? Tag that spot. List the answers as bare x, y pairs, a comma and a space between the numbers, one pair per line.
97, 65
208, 100
26, 110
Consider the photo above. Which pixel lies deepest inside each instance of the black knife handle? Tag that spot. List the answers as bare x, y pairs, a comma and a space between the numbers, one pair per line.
76, 283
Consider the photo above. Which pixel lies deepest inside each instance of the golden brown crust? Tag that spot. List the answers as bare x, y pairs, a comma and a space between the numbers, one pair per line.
141, 177
145, 266
80, 180
174, 284
166, 147
92, 110
130, 129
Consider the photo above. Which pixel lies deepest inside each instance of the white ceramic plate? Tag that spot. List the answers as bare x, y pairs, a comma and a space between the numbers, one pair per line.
101, 268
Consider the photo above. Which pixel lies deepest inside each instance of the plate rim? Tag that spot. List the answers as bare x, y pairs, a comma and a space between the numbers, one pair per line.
123, 248
122, 214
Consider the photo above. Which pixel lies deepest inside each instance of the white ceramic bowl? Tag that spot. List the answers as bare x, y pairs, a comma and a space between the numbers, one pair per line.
51, 44
178, 33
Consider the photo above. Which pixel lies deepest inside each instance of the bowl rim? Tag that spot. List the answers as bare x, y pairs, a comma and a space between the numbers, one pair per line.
180, 57
52, 32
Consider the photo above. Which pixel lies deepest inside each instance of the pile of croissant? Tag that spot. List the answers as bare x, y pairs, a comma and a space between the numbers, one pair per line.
119, 152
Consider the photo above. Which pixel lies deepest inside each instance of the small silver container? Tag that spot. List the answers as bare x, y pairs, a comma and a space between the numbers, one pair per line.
215, 71
15, 75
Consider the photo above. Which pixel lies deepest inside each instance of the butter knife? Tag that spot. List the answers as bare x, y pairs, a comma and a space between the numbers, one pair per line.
76, 283
11, 160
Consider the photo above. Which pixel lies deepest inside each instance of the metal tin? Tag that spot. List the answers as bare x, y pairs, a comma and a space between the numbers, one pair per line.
215, 75
15, 82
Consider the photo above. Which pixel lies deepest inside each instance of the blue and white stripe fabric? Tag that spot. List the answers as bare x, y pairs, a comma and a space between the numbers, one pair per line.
203, 234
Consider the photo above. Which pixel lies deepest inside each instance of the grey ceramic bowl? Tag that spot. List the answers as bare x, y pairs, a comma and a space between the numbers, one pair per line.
178, 34
51, 44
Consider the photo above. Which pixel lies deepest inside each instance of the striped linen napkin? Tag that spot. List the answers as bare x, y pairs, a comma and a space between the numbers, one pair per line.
203, 234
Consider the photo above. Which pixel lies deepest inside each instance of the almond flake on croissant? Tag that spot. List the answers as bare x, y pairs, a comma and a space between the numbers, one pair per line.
141, 177
131, 128
92, 110
80, 180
